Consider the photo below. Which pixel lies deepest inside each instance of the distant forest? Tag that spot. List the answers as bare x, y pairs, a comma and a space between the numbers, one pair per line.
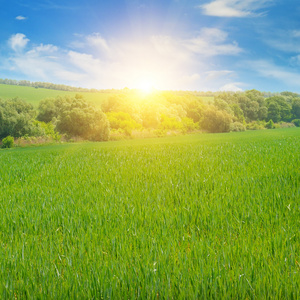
130, 113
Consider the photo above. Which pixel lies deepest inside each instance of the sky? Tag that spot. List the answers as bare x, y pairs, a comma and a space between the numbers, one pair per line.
203, 45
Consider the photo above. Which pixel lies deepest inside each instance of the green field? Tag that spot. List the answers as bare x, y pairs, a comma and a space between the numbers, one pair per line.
202, 216
34, 96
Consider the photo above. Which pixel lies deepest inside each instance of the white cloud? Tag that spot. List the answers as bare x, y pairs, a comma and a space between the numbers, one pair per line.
97, 41
21, 18
18, 41
40, 68
231, 87
234, 8
42, 62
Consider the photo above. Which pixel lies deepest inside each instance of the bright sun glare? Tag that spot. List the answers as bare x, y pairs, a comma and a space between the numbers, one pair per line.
146, 86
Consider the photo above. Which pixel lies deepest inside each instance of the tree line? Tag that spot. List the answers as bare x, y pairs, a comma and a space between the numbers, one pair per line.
161, 112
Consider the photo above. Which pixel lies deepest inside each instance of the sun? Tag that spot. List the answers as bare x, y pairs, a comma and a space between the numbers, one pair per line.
146, 85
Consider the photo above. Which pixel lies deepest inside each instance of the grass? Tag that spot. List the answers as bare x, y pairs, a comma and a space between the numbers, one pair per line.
193, 217
34, 96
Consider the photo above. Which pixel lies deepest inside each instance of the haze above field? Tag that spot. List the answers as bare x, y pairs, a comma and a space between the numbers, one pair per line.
173, 44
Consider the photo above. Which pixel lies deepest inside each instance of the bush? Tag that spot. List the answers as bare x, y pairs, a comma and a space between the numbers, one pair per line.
237, 126
8, 142
286, 125
270, 125
258, 125
296, 122
188, 125
122, 120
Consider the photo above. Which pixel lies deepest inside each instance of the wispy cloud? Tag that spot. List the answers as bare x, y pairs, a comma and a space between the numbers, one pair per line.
268, 69
48, 4
213, 75
234, 8
283, 40
21, 18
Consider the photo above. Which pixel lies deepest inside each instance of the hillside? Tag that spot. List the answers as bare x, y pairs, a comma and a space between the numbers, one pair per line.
35, 95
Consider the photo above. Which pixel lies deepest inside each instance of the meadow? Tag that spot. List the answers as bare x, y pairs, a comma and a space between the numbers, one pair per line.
35, 95
204, 216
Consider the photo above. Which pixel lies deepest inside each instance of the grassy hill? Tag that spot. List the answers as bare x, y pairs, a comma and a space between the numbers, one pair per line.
35, 95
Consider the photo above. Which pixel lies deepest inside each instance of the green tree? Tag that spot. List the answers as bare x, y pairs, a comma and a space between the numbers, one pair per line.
278, 109
296, 108
274, 112
76, 117
216, 121
194, 110
16, 118
237, 112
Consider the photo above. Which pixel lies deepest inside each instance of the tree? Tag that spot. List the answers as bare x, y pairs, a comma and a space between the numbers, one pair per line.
249, 107
16, 118
278, 109
237, 112
194, 109
296, 108
274, 112
75, 117
216, 121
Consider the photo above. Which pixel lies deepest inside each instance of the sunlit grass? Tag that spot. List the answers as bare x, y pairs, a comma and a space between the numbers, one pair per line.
201, 216
34, 96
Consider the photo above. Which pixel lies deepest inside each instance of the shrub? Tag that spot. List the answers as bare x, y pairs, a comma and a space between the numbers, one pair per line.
8, 142
286, 125
237, 126
296, 122
122, 120
188, 125
256, 125
270, 125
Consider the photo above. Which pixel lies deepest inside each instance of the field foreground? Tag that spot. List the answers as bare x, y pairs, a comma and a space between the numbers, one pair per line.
200, 216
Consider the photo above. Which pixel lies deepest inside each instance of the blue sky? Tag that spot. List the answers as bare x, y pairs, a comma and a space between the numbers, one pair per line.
168, 44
